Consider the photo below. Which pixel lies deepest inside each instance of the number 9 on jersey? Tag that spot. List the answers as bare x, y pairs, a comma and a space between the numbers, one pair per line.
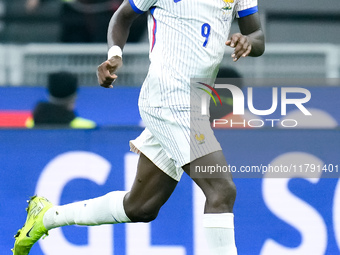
205, 32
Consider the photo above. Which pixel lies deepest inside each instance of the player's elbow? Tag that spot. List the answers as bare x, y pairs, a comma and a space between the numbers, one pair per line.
263, 50
262, 47
260, 50
258, 47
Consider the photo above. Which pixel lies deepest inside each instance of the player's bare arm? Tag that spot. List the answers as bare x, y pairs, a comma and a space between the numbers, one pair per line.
118, 32
250, 42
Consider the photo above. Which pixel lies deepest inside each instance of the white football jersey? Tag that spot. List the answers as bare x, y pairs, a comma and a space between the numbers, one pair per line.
187, 40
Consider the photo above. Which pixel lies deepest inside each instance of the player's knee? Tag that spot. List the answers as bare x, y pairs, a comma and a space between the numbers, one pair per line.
143, 214
222, 198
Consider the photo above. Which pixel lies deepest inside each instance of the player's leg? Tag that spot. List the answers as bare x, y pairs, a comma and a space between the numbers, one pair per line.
220, 196
150, 190
220, 191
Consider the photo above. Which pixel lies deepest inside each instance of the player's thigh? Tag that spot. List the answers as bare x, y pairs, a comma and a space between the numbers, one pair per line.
217, 187
151, 187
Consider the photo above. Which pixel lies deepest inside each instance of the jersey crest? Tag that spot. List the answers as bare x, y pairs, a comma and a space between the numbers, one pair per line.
227, 9
228, 6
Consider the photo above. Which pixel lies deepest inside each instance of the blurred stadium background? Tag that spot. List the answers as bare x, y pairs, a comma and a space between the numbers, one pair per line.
296, 215
302, 41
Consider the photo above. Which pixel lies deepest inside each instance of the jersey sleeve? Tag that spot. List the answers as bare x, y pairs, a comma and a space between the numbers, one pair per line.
140, 6
246, 7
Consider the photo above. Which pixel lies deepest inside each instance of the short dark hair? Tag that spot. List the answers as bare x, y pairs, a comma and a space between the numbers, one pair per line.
62, 84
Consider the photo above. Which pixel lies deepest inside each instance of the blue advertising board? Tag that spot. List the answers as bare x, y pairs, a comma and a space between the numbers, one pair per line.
273, 215
118, 106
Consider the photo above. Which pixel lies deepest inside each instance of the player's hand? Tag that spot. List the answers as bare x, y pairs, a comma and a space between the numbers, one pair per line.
106, 71
241, 44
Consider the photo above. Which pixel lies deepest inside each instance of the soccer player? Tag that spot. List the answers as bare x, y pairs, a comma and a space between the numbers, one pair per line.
187, 40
